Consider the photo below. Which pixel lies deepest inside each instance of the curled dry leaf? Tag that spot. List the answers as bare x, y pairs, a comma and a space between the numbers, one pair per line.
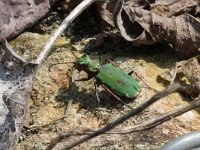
191, 70
186, 72
160, 21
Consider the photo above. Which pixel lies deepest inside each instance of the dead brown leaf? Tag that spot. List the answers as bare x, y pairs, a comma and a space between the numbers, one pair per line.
167, 21
191, 70
188, 73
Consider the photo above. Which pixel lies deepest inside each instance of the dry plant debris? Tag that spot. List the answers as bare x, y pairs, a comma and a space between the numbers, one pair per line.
148, 22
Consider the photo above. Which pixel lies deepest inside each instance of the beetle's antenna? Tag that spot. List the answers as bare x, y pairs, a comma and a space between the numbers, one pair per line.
49, 69
73, 62
145, 82
74, 54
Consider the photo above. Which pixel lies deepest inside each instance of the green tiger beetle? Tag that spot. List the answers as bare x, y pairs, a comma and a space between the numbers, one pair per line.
113, 80
116, 82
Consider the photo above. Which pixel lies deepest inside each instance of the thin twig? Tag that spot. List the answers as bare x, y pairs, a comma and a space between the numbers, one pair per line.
83, 5
185, 9
48, 124
168, 90
174, 74
160, 119
62, 136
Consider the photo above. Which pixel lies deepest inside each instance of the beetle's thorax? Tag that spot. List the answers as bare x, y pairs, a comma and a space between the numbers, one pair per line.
88, 65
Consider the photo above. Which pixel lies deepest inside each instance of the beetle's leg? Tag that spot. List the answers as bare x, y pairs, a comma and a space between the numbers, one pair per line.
130, 73
144, 81
83, 79
97, 96
109, 91
73, 82
114, 95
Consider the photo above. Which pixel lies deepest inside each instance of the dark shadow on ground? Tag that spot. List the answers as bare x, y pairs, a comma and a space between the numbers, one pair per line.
162, 55
88, 100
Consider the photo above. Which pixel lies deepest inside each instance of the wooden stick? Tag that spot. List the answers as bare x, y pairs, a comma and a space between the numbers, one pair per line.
160, 119
67, 21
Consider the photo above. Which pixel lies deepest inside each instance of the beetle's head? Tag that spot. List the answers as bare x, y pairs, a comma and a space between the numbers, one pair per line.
87, 64
84, 60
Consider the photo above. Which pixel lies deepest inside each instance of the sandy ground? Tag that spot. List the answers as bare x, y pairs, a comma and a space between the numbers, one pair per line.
55, 109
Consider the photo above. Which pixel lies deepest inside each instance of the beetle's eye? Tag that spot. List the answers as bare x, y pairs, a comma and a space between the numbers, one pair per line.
81, 62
